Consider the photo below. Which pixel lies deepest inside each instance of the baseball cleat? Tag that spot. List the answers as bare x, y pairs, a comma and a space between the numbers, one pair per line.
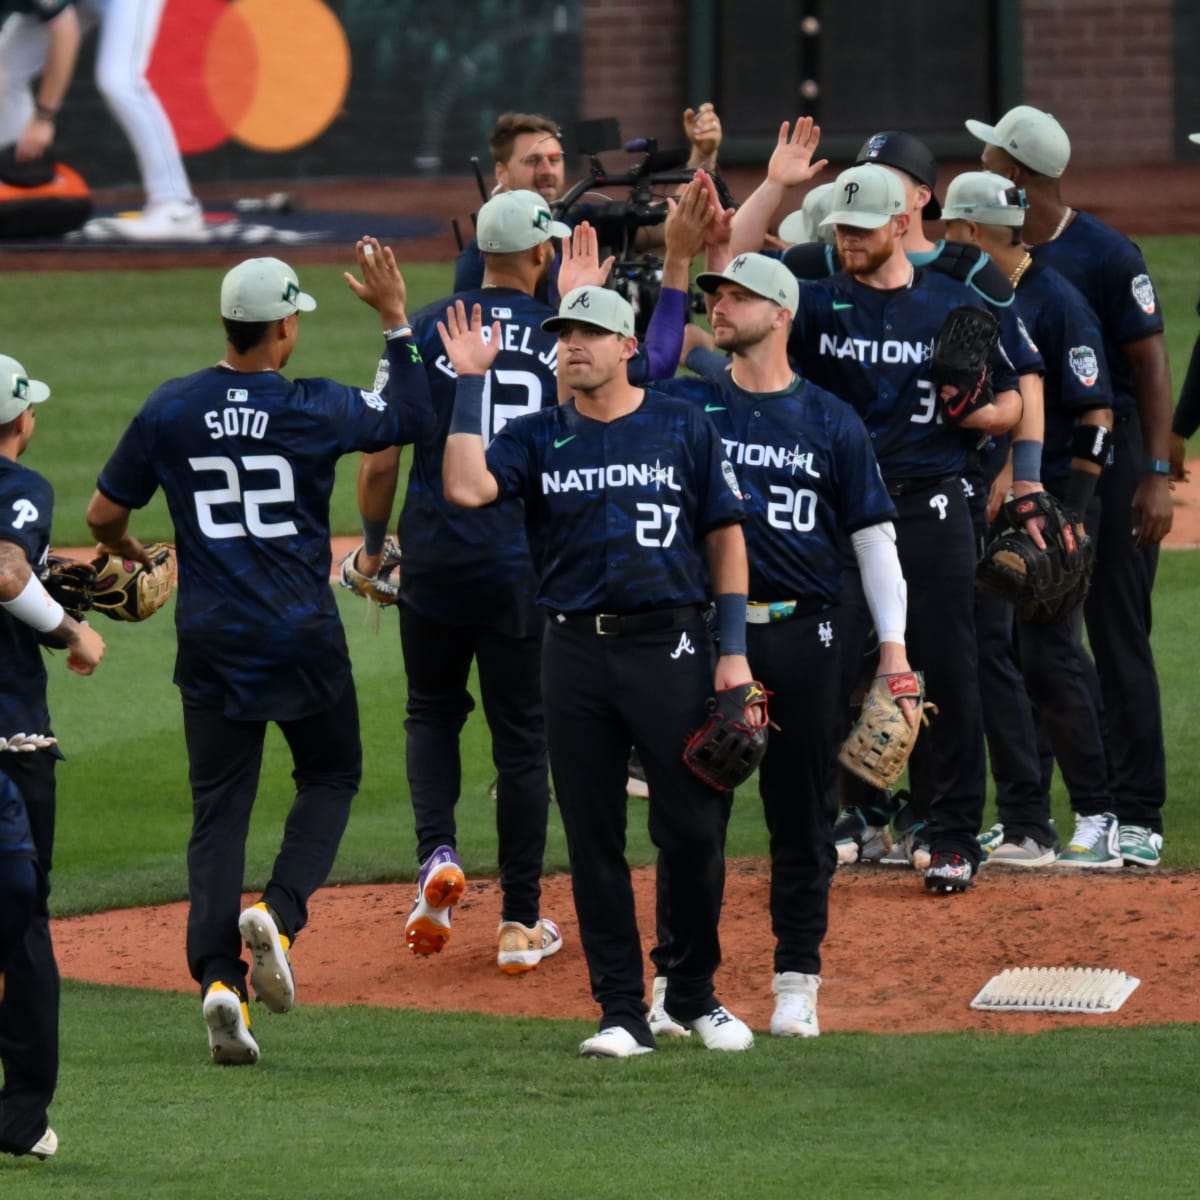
949, 873
228, 1019
1096, 843
857, 840
719, 1029
271, 974
440, 886
795, 1012
662, 1024
46, 1146
613, 1042
522, 947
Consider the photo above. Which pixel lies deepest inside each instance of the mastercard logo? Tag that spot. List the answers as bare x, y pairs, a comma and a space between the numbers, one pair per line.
270, 75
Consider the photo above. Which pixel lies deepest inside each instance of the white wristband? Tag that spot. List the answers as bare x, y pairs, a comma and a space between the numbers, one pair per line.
36, 607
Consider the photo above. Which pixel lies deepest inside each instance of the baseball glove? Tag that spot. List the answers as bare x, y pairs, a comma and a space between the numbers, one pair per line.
725, 751
70, 582
960, 360
380, 588
878, 746
125, 590
1043, 585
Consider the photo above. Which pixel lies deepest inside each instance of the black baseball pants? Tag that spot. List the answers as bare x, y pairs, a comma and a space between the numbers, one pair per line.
224, 761
437, 661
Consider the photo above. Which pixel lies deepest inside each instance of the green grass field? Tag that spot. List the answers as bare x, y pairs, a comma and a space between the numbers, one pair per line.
354, 1102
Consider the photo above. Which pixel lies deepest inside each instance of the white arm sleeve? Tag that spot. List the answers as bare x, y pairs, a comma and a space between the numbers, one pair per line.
883, 583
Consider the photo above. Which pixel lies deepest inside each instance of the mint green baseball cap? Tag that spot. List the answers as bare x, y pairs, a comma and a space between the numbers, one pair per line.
985, 197
1034, 138
765, 277
596, 306
17, 390
867, 196
263, 289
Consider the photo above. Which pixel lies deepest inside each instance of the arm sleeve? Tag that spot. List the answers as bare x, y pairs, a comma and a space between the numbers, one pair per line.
664, 339
883, 581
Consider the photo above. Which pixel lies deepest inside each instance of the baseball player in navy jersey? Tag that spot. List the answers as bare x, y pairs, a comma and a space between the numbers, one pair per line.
1032, 149
29, 619
866, 335
634, 517
809, 479
467, 583
246, 458
988, 210
466, 593
863, 829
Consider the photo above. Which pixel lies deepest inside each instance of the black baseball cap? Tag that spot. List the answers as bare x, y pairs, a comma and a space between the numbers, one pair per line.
894, 148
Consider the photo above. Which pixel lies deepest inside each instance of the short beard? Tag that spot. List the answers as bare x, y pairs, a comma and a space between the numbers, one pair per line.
875, 259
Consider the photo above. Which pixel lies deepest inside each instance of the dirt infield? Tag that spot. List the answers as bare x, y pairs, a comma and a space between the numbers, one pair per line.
896, 960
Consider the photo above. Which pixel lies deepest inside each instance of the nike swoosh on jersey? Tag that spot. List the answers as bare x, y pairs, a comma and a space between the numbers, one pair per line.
838, 307
714, 408
558, 445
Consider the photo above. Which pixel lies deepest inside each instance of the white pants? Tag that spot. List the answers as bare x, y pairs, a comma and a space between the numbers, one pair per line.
127, 30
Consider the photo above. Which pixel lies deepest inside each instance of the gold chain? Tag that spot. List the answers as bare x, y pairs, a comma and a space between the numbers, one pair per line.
1020, 269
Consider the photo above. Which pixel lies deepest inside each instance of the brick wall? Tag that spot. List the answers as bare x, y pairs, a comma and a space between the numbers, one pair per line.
634, 65
1104, 69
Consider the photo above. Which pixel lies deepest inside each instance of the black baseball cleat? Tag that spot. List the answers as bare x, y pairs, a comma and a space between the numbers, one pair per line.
949, 873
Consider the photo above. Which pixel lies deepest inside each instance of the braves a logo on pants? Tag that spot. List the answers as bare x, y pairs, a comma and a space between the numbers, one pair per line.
685, 646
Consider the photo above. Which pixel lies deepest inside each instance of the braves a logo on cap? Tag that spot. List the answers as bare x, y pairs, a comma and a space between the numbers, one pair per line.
1084, 364
1143, 293
583, 300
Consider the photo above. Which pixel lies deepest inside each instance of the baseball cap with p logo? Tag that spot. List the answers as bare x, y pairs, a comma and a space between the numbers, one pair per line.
263, 289
866, 197
17, 390
765, 277
596, 306
515, 221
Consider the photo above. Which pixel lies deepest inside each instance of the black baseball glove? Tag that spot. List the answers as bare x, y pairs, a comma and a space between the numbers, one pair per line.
70, 582
964, 348
1043, 585
725, 751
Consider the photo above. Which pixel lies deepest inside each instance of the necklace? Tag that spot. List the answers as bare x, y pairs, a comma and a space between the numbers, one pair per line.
1021, 267
1067, 214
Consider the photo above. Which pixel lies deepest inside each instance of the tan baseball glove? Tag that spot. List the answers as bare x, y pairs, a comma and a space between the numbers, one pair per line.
125, 590
877, 748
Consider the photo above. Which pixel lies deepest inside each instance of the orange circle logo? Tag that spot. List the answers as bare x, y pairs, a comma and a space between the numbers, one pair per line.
269, 74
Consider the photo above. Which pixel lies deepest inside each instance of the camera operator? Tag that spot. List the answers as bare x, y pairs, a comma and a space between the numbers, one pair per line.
527, 153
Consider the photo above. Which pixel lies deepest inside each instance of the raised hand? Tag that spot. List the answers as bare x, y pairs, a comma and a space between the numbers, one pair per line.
702, 127
581, 265
466, 347
792, 160
382, 285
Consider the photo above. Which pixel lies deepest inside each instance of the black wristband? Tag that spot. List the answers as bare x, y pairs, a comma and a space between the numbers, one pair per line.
1091, 443
1081, 486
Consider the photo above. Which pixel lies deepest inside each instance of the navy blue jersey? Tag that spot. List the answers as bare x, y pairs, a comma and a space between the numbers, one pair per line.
26, 506
808, 477
1110, 272
872, 348
1068, 335
967, 263
246, 461
618, 511
461, 565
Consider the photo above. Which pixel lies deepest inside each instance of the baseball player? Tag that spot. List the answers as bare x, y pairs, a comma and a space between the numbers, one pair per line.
246, 460
35, 41
863, 829
467, 584
809, 479
1030, 148
29, 619
987, 210
865, 334
632, 510
466, 594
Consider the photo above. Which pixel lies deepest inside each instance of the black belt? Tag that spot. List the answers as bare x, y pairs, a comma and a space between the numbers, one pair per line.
617, 624
924, 483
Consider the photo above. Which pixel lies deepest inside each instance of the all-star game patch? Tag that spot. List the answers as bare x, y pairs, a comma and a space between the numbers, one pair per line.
230, 227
